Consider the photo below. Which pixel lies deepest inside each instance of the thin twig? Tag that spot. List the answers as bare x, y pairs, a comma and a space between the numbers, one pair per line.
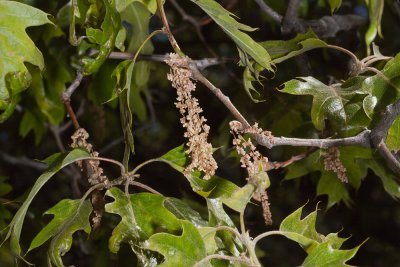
261, 236
74, 85
24, 161
201, 63
380, 132
269, 11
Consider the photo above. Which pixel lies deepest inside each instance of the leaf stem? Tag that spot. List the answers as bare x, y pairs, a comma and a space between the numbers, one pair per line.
167, 30
266, 234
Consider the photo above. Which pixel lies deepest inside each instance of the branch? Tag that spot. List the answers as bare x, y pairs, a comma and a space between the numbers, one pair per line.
201, 63
275, 16
66, 97
24, 161
380, 132
362, 139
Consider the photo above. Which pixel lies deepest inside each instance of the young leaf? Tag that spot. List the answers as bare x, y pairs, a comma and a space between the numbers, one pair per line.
235, 30
375, 10
104, 38
56, 162
183, 250
215, 188
322, 250
325, 255
67, 220
335, 4
16, 49
283, 50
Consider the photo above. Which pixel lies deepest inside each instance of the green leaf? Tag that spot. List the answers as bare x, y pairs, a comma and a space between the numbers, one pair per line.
393, 138
236, 30
335, 4
138, 19
328, 101
325, 255
145, 214
389, 180
353, 159
32, 121
16, 49
5, 188
322, 250
183, 250
215, 188
151, 5
375, 10
105, 38
68, 218
283, 50
56, 163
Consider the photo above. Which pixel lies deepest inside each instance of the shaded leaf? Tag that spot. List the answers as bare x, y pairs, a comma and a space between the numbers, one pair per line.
55, 162
17, 49
67, 220
104, 38
352, 158
335, 4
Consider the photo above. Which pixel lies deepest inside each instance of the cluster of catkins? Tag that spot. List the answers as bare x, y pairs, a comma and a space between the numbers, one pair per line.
197, 130
252, 160
333, 163
92, 167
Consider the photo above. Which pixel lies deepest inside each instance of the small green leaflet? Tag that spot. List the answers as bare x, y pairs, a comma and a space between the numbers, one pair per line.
56, 162
215, 188
68, 218
280, 50
16, 49
105, 38
393, 138
375, 10
335, 4
322, 250
236, 30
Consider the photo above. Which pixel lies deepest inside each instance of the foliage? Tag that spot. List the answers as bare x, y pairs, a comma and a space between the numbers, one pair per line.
97, 64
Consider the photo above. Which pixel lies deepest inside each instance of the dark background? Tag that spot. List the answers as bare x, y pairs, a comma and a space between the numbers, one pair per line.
373, 215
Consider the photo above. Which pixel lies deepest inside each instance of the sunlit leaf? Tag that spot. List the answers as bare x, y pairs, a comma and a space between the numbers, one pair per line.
68, 219
179, 250
145, 214
322, 250
326, 255
16, 50
215, 188
55, 162
236, 30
